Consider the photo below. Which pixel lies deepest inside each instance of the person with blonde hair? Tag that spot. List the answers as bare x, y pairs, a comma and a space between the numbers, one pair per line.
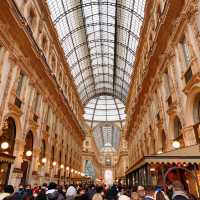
134, 196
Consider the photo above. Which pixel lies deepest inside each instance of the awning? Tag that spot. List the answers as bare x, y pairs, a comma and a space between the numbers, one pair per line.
6, 158
186, 155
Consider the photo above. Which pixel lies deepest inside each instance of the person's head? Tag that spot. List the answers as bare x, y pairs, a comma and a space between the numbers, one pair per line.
21, 187
9, 189
52, 185
82, 191
134, 196
28, 187
149, 190
141, 191
178, 186
160, 195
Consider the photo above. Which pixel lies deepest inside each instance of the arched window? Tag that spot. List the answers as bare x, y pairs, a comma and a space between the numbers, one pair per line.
177, 127
196, 109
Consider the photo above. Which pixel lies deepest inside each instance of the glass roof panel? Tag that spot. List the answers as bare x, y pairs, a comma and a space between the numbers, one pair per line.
104, 109
99, 39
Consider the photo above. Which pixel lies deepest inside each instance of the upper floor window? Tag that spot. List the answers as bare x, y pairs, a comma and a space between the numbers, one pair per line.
44, 43
36, 102
32, 18
47, 114
167, 83
53, 63
20, 84
196, 109
185, 50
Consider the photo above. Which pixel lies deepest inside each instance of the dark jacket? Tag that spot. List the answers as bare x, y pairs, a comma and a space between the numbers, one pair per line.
180, 195
54, 195
41, 195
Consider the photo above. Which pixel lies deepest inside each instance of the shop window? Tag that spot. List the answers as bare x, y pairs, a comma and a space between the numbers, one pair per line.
7, 141
177, 127
185, 50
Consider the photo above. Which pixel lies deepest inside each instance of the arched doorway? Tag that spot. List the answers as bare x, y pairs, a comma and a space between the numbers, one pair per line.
7, 141
27, 157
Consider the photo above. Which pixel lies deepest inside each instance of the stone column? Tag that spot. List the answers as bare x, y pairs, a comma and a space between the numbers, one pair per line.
189, 136
34, 173
16, 172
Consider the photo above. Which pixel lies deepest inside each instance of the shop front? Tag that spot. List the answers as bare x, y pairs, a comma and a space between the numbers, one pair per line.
162, 169
5, 165
7, 143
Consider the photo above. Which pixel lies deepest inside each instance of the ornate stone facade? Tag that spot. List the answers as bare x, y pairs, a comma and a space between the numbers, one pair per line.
38, 93
163, 103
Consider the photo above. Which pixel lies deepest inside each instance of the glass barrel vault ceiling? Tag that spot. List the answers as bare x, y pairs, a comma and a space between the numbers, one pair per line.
99, 38
104, 109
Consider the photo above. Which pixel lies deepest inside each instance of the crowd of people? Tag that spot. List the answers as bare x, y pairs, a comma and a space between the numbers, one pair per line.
52, 191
